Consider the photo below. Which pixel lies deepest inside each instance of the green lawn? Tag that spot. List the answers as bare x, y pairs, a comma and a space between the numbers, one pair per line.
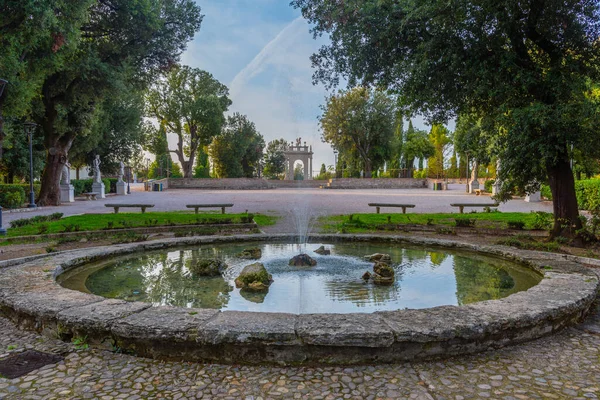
94, 222
356, 223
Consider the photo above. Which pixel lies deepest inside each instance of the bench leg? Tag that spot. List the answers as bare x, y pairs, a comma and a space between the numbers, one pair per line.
462, 209
377, 210
143, 210
403, 210
222, 210
196, 210
116, 210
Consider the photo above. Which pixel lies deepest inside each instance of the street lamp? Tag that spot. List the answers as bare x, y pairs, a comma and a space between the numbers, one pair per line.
29, 128
3, 83
467, 154
128, 179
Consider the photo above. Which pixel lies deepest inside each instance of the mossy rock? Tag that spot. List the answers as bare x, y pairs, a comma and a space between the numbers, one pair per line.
207, 267
382, 280
254, 277
302, 260
383, 270
379, 257
253, 253
323, 251
366, 276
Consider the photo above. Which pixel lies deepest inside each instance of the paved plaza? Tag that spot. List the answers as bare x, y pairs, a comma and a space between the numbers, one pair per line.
283, 202
561, 366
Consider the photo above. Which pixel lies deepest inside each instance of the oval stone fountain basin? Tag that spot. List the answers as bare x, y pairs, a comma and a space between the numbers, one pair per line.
424, 278
32, 298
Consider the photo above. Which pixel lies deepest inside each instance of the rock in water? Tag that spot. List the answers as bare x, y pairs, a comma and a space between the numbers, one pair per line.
323, 251
207, 267
366, 276
302, 260
254, 277
384, 274
379, 257
253, 253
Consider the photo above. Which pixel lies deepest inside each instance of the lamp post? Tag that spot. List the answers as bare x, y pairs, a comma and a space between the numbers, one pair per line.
128, 179
29, 128
3, 83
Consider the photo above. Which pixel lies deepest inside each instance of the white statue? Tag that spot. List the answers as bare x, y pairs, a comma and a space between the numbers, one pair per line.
96, 166
65, 176
121, 171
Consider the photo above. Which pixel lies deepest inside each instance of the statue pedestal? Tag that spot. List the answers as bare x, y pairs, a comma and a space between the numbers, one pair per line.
474, 184
67, 193
121, 188
98, 188
535, 197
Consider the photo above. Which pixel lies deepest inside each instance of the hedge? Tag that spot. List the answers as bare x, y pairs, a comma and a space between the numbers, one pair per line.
587, 191
14, 196
85, 185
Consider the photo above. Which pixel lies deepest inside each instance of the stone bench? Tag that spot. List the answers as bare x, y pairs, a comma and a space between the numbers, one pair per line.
221, 206
461, 206
117, 206
403, 206
91, 195
478, 192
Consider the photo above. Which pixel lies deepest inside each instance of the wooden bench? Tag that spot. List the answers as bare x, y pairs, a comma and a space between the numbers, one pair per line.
221, 206
403, 206
117, 206
461, 206
91, 195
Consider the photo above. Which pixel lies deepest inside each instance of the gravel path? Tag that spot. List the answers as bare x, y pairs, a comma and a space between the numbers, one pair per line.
563, 366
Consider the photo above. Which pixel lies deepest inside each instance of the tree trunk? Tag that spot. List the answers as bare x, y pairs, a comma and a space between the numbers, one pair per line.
368, 169
564, 200
50, 193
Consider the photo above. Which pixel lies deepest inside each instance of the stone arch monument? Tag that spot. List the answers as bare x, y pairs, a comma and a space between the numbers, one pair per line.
298, 152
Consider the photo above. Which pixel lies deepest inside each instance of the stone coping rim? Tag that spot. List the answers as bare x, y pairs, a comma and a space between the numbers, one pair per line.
30, 296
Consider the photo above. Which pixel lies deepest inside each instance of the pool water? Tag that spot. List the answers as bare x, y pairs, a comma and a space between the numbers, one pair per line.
424, 278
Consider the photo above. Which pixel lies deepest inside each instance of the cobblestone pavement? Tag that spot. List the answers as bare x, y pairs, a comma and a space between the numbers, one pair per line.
562, 366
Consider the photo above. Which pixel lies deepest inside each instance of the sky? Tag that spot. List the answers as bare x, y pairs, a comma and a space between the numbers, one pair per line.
261, 50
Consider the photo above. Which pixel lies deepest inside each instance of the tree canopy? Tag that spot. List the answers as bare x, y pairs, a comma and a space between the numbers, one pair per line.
191, 103
275, 159
526, 67
237, 151
361, 121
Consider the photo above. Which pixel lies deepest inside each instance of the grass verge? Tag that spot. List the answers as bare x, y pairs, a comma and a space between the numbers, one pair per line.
96, 222
363, 223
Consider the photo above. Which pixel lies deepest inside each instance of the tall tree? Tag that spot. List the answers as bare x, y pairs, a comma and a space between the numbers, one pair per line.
123, 44
527, 66
472, 140
191, 103
36, 37
236, 152
439, 138
361, 120
275, 159
416, 145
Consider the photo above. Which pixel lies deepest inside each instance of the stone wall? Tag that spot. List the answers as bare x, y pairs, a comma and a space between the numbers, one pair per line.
261, 184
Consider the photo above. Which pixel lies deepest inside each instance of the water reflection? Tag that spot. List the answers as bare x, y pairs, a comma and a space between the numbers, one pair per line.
424, 278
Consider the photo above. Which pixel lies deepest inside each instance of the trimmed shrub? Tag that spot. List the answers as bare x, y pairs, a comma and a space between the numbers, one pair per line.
587, 191
488, 185
546, 192
85, 185
12, 196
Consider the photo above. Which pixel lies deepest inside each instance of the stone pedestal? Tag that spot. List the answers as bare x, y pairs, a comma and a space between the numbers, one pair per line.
474, 184
495, 188
99, 188
121, 188
67, 193
534, 197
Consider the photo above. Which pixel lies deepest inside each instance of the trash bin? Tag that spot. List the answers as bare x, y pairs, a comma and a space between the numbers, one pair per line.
157, 187
437, 185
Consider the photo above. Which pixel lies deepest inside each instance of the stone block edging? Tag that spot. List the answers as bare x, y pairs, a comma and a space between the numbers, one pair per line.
30, 296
